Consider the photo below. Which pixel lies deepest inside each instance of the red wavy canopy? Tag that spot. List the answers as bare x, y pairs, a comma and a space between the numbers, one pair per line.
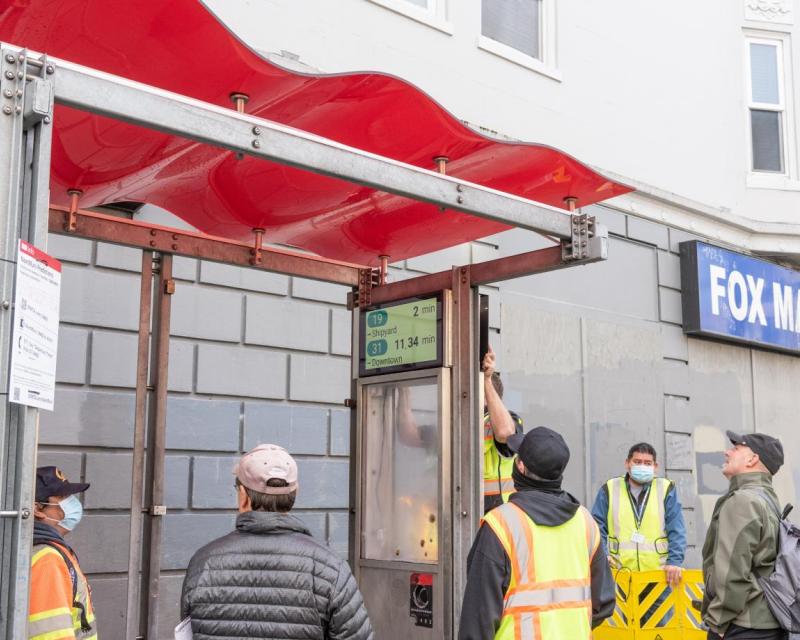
180, 46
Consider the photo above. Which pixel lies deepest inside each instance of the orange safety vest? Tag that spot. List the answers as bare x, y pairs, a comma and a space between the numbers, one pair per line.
549, 594
52, 611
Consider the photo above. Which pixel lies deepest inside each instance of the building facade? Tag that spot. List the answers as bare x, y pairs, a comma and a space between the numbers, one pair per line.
692, 104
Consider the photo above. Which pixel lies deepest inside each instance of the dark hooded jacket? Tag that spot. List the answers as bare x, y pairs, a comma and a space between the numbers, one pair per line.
489, 567
270, 579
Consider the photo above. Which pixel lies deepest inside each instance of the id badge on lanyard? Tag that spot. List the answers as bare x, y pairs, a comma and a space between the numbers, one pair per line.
636, 537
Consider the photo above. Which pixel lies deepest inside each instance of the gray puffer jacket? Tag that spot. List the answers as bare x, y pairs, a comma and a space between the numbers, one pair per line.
271, 579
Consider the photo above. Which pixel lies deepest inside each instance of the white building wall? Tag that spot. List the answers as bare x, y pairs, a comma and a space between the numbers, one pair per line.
653, 92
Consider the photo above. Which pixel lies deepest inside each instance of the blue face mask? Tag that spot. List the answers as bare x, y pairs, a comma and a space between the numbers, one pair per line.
73, 512
642, 473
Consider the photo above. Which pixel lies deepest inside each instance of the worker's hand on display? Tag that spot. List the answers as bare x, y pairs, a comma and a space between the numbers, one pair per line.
488, 364
614, 562
673, 575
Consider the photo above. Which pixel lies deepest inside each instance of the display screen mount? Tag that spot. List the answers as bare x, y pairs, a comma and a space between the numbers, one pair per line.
402, 335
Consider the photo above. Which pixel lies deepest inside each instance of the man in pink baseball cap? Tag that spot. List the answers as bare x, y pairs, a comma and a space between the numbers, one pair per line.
269, 578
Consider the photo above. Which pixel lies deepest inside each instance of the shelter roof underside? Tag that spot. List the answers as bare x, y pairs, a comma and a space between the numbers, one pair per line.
181, 47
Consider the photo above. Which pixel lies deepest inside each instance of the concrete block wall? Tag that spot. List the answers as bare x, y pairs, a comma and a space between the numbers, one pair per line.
254, 357
600, 354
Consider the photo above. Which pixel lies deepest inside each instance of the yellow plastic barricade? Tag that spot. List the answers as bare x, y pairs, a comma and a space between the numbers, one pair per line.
649, 609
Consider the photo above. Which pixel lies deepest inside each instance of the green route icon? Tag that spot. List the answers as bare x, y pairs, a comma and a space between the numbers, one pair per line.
377, 347
377, 318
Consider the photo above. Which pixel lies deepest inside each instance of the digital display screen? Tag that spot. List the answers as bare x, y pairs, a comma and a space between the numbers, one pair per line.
400, 336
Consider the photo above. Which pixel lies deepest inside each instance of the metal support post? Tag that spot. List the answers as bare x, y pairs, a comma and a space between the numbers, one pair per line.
26, 107
352, 404
466, 510
491, 271
162, 297
137, 475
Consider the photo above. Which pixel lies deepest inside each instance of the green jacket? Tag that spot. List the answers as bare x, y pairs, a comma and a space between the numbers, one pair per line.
741, 545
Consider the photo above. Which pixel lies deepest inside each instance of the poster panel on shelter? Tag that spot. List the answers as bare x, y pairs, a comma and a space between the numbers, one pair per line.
34, 338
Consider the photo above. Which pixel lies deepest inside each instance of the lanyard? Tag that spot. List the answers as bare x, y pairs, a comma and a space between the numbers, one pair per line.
638, 512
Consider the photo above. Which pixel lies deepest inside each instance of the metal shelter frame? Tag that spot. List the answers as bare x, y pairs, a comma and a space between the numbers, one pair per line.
30, 85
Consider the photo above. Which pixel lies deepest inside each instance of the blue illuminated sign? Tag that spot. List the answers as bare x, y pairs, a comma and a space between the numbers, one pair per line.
731, 296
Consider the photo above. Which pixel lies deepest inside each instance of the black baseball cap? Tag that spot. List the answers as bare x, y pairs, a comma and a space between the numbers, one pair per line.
769, 449
51, 481
542, 451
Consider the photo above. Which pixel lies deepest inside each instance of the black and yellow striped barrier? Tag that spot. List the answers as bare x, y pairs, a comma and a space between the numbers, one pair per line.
647, 608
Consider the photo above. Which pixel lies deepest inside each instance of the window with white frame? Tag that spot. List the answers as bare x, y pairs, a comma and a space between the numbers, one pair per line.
514, 23
767, 107
434, 13
521, 31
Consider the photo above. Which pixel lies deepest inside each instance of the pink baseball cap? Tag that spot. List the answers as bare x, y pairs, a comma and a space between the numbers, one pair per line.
267, 462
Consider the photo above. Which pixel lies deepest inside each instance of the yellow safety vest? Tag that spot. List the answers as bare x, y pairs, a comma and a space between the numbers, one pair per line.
637, 545
496, 468
549, 594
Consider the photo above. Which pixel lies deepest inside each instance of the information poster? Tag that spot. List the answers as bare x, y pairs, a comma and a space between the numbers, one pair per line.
34, 345
402, 335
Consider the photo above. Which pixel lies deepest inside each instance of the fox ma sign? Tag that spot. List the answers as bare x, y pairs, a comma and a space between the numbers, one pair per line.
731, 296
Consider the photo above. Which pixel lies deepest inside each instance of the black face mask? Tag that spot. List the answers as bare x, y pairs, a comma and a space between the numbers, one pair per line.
525, 483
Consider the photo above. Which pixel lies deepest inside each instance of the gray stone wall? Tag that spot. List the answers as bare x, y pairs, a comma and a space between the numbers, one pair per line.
254, 357
597, 352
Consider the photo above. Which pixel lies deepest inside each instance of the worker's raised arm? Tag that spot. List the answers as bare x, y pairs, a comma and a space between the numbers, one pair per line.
501, 420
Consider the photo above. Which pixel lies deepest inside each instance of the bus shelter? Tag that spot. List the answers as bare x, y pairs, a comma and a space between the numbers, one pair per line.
379, 173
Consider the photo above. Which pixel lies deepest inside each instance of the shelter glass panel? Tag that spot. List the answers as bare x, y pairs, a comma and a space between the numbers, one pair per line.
401, 473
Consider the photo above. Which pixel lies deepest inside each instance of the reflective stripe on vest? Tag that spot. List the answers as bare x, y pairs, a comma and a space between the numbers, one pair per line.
549, 592
60, 622
651, 554
496, 468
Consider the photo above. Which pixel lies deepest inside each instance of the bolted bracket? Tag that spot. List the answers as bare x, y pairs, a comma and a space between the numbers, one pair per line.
577, 247
367, 278
12, 82
38, 102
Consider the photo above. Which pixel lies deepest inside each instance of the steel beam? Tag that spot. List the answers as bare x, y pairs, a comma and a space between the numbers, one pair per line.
523, 264
178, 242
115, 97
